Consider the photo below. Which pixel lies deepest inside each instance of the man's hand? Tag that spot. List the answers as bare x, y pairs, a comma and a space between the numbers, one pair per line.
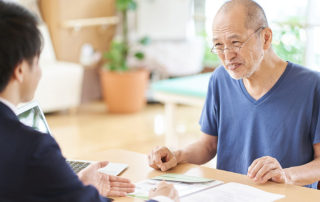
162, 158
165, 189
267, 168
107, 185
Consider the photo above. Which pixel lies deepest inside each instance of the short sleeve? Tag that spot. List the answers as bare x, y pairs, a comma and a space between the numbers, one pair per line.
208, 116
315, 134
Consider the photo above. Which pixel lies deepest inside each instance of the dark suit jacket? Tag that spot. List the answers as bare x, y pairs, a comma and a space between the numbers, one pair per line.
32, 167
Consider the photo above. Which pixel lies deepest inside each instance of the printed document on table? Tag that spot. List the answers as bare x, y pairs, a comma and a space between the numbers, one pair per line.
182, 178
142, 188
233, 192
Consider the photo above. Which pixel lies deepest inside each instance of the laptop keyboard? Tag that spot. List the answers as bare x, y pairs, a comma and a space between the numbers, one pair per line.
77, 166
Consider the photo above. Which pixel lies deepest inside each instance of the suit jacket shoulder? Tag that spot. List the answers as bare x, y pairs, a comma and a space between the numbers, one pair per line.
33, 168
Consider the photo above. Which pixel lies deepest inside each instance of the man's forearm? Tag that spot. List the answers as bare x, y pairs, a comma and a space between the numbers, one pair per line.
196, 153
304, 174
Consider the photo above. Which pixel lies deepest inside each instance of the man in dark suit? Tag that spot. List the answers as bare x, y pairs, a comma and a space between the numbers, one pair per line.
32, 167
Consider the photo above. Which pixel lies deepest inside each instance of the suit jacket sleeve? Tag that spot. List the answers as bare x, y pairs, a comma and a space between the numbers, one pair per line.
49, 178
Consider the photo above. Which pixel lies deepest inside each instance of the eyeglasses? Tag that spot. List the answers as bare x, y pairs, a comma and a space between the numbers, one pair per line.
236, 46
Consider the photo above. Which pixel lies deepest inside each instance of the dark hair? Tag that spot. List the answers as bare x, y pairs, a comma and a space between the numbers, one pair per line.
20, 39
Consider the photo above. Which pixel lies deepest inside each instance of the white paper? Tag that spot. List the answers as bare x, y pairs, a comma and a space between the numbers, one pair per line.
142, 188
113, 168
233, 192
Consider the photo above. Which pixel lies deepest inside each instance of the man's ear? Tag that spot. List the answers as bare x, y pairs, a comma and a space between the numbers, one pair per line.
267, 38
19, 70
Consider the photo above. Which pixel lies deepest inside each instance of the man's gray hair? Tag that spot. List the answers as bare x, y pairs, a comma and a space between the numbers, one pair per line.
255, 14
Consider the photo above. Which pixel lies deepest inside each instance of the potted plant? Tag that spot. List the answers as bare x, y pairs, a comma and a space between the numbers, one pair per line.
123, 87
288, 41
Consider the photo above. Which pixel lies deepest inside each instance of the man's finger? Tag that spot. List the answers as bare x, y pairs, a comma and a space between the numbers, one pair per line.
116, 193
122, 184
150, 159
103, 164
269, 175
122, 189
158, 157
170, 164
151, 162
267, 167
113, 178
253, 164
154, 166
258, 165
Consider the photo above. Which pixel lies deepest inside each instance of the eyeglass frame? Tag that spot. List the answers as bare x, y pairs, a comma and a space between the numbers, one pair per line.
233, 47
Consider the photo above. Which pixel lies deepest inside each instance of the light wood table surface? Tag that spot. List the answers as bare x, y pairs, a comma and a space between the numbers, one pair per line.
139, 170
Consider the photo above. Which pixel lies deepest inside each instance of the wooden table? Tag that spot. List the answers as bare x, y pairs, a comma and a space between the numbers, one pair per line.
139, 170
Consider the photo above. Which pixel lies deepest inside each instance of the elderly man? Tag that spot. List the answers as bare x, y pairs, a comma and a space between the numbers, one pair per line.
261, 115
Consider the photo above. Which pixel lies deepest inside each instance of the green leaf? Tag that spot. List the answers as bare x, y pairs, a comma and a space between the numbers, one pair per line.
123, 5
115, 57
139, 55
132, 5
145, 40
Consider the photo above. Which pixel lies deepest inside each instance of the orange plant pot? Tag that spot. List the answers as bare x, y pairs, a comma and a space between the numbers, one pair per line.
124, 92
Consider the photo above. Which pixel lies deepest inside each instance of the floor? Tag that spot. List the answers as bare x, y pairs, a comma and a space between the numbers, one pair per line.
92, 129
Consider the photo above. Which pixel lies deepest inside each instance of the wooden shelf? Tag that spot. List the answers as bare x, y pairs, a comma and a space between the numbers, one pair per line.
90, 22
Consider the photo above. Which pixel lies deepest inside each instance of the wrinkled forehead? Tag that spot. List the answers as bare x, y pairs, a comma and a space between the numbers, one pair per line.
229, 24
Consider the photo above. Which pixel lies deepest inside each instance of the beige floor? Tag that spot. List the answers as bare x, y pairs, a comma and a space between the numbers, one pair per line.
92, 129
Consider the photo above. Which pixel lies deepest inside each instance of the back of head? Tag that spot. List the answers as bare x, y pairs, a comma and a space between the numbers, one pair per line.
20, 39
255, 15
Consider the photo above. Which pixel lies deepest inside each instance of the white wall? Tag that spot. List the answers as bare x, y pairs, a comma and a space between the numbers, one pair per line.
164, 19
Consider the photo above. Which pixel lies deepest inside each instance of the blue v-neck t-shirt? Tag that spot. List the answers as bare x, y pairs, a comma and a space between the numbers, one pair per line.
283, 124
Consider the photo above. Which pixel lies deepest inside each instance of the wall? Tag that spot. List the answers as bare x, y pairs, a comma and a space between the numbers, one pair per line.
67, 42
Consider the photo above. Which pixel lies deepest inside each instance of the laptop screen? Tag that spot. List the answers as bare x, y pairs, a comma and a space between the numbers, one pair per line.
31, 115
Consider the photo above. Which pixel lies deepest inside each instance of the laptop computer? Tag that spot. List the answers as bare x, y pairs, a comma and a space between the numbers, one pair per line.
31, 115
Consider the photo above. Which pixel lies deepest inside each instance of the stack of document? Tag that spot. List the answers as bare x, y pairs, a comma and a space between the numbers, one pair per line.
192, 188
233, 192
184, 184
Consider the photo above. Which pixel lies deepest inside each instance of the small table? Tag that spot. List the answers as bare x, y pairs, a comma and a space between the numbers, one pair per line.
139, 170
189, 90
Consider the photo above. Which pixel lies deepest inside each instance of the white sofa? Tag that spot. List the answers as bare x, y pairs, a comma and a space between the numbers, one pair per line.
61, 82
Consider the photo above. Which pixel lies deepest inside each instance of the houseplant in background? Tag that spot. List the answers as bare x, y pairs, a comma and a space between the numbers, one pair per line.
123, 87
210, 61
289, 40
